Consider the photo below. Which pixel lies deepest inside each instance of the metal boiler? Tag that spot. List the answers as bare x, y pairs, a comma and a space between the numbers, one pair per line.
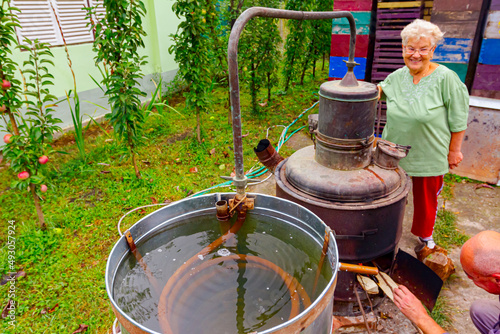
354, 186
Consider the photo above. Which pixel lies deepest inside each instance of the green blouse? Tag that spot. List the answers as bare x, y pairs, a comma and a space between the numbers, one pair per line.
423, 116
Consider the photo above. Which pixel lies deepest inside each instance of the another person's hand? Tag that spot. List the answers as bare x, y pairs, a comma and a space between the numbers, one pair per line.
413, 309
406, 301
454, 158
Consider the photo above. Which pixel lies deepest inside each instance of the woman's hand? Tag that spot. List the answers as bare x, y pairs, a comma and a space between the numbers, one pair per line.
455, 155
454, 158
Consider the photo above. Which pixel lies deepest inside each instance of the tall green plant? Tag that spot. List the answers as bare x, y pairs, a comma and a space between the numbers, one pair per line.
259, 53
318, 35
73, 100
118, 39
192, 48
28, 151
10, 86
295, 42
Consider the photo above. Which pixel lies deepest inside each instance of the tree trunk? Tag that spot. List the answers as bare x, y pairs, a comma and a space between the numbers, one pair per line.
268, 87
13, 123
290, 76
253, 90
41, 220
198, 126
132, 151
304, 71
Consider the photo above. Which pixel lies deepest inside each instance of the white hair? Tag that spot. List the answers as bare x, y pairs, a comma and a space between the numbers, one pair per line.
422, 29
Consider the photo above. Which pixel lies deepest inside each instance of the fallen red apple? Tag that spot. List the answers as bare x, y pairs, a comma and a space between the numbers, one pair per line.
7, 139
43, 188
6, 84
23, 175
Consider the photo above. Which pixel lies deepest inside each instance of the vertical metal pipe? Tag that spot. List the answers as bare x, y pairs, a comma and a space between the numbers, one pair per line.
240, 179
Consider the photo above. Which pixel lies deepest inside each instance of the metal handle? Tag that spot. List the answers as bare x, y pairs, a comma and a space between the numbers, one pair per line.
353, 268
232, 58
356, 237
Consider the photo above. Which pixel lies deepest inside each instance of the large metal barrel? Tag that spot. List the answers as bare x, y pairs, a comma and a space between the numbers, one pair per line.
301, 228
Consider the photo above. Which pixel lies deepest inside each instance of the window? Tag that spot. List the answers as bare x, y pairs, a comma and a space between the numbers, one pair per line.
38, 19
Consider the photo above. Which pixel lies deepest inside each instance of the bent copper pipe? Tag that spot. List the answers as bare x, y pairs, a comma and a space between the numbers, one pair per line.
267, 154
240, 180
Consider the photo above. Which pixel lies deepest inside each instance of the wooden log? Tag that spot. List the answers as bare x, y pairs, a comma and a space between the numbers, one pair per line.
456, 24
453, 50
447, 16
489, 52
392, 60
459, 68
338, 68
361, 29
404, 4
481, 143
387, 66
487, 77
353, 5
362, 19
495, 5
459, 29
457, 5
492, 29
340, 46
492, 94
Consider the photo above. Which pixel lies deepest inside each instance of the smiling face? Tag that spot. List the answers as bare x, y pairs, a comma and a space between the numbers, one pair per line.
416, 62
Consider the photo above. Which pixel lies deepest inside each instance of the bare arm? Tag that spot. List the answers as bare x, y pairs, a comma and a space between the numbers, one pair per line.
455, 155
413, 309
379, 91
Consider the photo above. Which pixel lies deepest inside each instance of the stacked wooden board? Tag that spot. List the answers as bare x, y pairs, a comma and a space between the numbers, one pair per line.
487, 78
458, 19
392, 17
361, 10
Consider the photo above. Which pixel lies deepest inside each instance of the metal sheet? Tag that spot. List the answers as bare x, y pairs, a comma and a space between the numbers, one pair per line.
418, 278
481, 146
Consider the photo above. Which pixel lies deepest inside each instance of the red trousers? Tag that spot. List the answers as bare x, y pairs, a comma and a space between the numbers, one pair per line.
426, 190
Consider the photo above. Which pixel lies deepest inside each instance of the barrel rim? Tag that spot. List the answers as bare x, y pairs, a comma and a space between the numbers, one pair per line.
332, 254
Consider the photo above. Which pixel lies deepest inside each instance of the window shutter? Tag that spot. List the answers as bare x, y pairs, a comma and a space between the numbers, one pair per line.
71, 16
38, 20
100, 10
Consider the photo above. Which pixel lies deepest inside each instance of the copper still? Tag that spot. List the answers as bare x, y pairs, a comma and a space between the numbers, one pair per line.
354, 185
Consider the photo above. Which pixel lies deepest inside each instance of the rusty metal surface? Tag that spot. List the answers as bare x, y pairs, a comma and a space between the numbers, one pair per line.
418, 278
367, 184
481, 146
240, 179
364, 231
267, 154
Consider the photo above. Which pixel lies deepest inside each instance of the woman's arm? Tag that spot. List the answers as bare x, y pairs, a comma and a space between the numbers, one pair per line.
455, 155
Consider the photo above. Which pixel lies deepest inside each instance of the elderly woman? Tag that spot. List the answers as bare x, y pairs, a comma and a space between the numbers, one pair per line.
427, 108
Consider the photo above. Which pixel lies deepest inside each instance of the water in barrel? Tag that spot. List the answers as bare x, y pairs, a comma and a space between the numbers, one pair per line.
256, 280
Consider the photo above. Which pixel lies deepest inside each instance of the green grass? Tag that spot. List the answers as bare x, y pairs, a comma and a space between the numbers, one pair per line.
449, 184
65, 265
446, 233
441, 312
